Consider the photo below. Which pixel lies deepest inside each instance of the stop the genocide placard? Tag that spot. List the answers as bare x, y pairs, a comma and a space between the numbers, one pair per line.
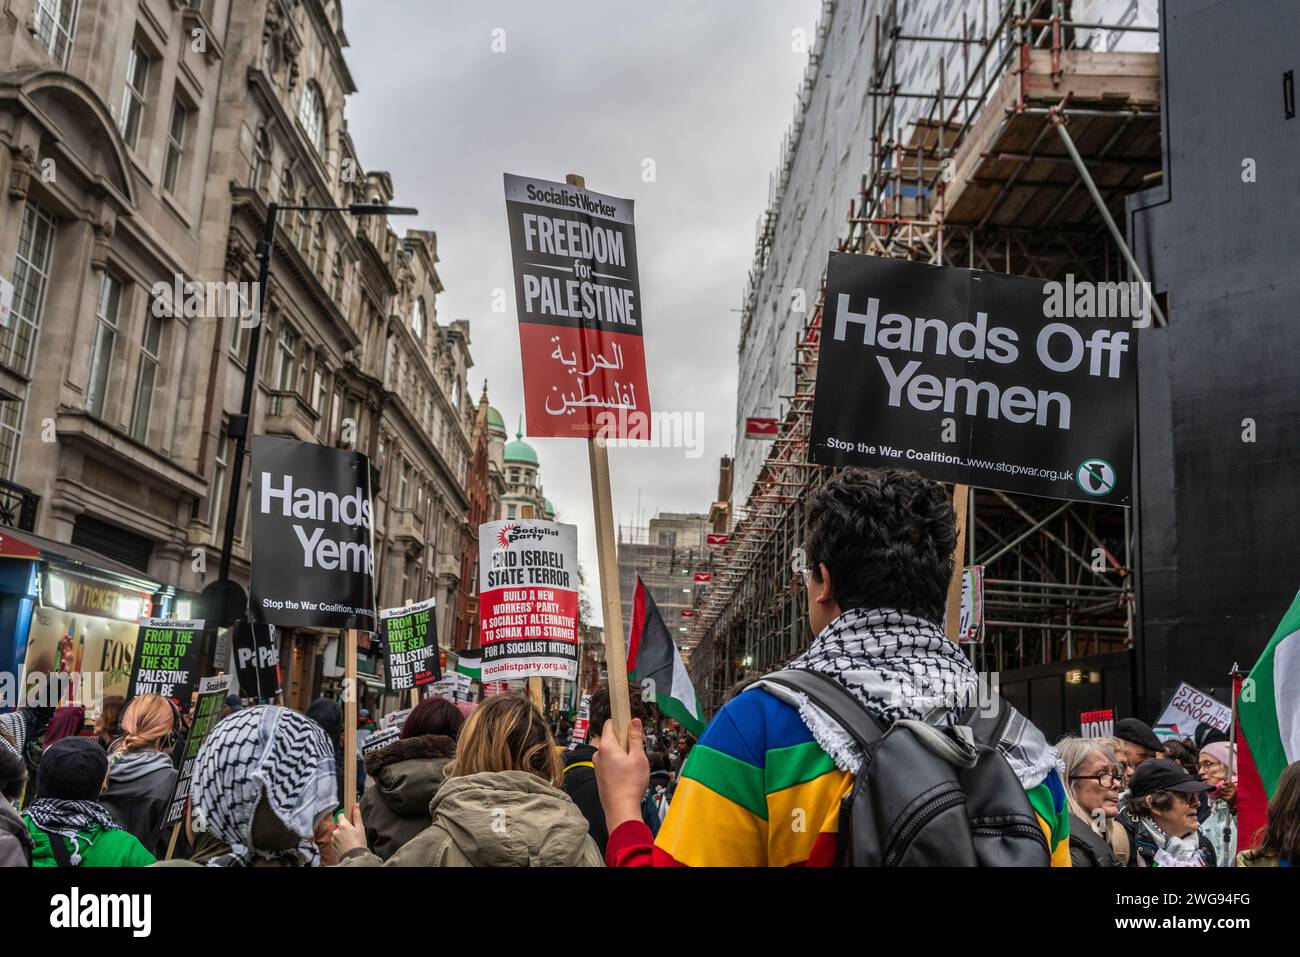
528, 600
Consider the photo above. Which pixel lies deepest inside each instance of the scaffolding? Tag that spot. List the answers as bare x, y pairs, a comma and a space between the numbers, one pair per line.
978, 181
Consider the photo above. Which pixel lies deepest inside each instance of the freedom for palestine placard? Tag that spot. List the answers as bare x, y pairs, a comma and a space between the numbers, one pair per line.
579, 302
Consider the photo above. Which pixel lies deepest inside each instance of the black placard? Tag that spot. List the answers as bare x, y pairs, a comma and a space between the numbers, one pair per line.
166, 653
313, 541
974, 377
257, 660
410, 636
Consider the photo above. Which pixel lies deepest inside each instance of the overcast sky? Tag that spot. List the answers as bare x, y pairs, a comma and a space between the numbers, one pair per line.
704, 90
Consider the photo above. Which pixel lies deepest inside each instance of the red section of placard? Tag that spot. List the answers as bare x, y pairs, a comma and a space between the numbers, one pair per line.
582, 382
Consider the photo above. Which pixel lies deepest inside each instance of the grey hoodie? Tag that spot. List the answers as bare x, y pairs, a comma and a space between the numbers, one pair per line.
496, 819
140, 784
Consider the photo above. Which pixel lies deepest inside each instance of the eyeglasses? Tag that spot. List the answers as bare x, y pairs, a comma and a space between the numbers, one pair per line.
1107, 779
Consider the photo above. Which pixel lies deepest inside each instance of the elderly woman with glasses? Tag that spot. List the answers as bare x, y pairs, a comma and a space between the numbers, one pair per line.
1093, 779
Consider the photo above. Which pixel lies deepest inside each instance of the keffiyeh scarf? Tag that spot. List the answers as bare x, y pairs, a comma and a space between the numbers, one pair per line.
69, 819
1173, 851
264, 752
902, 666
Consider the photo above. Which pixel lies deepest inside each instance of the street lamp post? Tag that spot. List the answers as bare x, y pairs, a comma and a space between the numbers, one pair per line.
239, 424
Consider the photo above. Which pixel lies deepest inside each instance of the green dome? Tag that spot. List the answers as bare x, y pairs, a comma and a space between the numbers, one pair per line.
494, 419
520, 451
549, 508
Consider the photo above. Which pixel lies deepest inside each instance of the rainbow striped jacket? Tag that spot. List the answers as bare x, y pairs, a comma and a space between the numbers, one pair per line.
758, 791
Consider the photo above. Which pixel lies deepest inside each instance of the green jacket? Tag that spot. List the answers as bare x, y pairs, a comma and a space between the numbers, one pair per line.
495, 819
99, 848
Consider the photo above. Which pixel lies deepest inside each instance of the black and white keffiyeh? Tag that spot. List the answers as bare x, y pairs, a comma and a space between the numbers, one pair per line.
903, 666
269, 752
70, 818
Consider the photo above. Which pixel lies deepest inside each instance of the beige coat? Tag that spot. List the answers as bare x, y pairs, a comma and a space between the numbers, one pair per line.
495, 819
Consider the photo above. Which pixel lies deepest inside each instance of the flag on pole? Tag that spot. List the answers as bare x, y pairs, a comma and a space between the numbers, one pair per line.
470, 663
1252, 800
1269, 706
652, 654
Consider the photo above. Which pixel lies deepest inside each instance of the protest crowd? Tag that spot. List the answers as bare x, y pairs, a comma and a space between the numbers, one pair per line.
798, 767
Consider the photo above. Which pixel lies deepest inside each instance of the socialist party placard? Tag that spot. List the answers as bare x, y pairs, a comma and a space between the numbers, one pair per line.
410, 636
974, 377
528, 600
313, 536
166, 653
579, 304
207, 712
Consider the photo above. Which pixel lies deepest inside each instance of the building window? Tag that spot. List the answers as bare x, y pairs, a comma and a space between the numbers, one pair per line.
319, 252
11, 430
352, 412
336, 278
417, 318
286, 188
510, 511
150, 345
101, 352
56, 24
217, 491
319, 389
526, 512
311, 114
286, 355
404, 486
261, 159
175, 146
32, 264
302, 225
133, 97
238, 340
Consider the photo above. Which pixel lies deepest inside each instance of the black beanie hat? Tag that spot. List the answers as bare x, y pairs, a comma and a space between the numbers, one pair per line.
72, 769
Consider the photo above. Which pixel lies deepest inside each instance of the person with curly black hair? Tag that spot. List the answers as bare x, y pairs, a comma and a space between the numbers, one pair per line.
764, 784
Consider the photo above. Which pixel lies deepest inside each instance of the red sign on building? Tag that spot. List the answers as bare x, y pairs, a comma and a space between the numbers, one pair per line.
712, 539
703, 578
757, 428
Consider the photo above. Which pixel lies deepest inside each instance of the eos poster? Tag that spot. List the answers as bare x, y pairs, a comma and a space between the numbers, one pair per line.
528, 584
975, 377
313, 536
579, 302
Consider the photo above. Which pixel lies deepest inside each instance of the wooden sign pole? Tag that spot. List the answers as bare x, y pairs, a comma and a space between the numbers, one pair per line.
349, 718
960, 501
607, 559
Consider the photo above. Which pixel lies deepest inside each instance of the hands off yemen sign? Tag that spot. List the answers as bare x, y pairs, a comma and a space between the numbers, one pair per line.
579, 302
966, 376
528, 602
313, 536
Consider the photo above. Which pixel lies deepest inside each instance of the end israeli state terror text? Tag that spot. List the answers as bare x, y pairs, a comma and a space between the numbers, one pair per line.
578, 298
531, 566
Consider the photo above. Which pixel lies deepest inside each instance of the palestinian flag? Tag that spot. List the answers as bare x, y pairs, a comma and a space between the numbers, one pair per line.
470, 663
652, 654
1269, 706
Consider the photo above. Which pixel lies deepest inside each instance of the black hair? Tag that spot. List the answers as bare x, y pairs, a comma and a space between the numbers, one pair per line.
599, 711
887, 537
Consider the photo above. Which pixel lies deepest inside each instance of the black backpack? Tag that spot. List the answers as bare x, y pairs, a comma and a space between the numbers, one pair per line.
927, 796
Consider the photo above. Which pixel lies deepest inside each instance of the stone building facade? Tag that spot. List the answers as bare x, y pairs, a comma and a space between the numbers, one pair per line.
141, 143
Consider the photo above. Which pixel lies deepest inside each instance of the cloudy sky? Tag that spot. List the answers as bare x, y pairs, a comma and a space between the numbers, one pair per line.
703, 91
